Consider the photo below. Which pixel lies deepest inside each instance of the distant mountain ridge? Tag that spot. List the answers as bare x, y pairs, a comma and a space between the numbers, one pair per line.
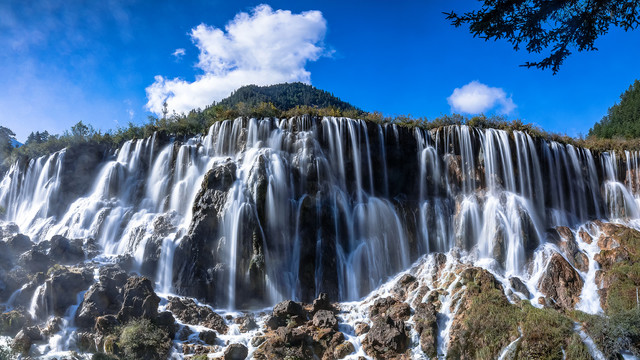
285, 96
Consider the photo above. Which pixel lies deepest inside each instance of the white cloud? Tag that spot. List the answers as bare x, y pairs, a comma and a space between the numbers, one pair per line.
179, 53
476, 97
263, 47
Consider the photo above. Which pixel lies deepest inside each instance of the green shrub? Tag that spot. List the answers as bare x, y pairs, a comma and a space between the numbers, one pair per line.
545, 333
141, 339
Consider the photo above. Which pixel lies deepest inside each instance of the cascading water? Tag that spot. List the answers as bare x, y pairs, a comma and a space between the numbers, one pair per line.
325, 205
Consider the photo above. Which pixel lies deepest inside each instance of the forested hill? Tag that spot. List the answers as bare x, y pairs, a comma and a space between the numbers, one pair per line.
285, 96
622, 119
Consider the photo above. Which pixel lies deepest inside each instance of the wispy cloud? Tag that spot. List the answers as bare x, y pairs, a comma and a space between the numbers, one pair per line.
262, 47
179, 53
476, 97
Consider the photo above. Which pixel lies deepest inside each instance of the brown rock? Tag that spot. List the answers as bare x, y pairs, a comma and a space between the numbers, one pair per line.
519, 286
236, 352
325, 319
387, 338
187, 311
427, 327
585, 236
606, 242
341, 351
362, 328
561, 282
564, 232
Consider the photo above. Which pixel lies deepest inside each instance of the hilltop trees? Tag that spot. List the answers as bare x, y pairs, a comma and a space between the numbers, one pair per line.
622, 119
556, 26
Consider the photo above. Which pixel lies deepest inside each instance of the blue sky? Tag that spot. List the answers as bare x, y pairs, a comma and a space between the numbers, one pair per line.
110, 62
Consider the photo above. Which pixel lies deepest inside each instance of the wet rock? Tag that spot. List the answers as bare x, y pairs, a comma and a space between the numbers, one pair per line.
208, 337
387, 338
139, 300
426, 325
187, 311
25, 338
325, 319
565, 233
406, 284
581, 261
519, 286
561, 283
196, 271
571, 250
389, 306
585, 236
236, 352
362, 328
102, 298
246, 323
34, 261
274, 322
66, 251
288, 308
6, 256
52, 326
63, 286
19, 243
322, 303
167, 322
341, 351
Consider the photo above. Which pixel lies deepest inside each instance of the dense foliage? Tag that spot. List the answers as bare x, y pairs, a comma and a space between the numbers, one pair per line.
285, 97
622, 119
555, 26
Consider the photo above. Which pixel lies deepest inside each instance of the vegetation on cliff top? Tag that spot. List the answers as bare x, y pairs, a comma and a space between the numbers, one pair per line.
622, 119
285, 101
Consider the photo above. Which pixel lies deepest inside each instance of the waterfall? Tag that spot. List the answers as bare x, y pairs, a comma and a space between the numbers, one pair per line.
323, 205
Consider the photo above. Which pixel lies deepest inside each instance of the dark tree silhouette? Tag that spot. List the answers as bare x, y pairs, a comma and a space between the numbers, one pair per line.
557, 26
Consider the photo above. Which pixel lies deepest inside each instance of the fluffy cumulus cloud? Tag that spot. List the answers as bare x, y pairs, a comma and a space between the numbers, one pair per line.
476, 97
262, 47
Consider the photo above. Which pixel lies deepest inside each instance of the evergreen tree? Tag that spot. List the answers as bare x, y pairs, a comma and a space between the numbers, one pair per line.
623, 118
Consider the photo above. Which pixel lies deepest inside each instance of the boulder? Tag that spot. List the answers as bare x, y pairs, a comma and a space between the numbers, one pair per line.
35, 261
166, 321
187, 311
561, 282
387, 338
25, 338
19, 243
322, 303
362, 328
63, 285
246, 323
519, 286
208, 337
66, 251
236, 352
343, 350
139, 300
325, 319
288, 308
